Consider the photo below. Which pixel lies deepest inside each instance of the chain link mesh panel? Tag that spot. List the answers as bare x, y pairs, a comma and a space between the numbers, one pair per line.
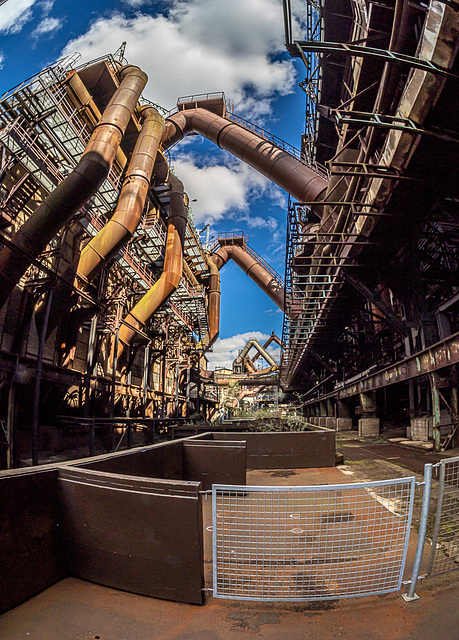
310, 543
444, 555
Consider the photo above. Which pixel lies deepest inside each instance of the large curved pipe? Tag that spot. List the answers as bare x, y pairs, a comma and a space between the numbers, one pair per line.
253, 269
272, 338
79, 95
249, 393
254, 343
71, 194
272, 381
302, 182
131, 202
172, 269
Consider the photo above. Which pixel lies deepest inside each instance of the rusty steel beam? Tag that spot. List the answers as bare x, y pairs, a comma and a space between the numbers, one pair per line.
440, 355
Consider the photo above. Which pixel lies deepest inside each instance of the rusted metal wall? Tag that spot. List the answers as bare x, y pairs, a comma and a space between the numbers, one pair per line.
286, 450
136, 534
31, 557
156, 461
140, 534
212, 462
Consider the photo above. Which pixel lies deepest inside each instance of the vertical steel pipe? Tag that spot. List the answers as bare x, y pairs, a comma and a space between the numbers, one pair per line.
146, 370
213, 301
131, 202
73, 193
411, 595
37, 381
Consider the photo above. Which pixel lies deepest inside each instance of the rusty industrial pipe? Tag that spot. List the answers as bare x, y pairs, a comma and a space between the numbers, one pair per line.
253, 392
79, 95
301, 181
271, 381
131, 202
213, 297
172, 269
73, 193
272, 338
254, 343
253, 269
213, 302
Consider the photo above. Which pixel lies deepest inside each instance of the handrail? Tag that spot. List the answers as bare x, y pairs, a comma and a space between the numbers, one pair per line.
278, 142
228, 236
198, 97
277, 277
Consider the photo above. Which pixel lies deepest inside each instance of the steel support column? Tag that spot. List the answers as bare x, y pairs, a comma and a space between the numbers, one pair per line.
38, 375
436, 412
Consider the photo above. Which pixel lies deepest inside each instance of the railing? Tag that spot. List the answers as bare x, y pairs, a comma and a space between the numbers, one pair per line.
16, 130
277, 277
444, 549
277, 142
310, 543
241, 239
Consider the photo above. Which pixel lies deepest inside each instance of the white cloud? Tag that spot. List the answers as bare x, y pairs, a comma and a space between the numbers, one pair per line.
257, 222
47, 25
201, 46
135, 4
2, 59
221, 190
46, 6
14, 15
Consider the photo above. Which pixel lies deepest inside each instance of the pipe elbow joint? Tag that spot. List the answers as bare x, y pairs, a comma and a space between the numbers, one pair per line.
147, 113
132, 70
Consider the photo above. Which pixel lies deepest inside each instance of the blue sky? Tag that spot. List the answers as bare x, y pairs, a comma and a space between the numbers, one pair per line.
189, 47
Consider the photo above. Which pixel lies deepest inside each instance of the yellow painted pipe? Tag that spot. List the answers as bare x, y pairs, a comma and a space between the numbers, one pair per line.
172, 269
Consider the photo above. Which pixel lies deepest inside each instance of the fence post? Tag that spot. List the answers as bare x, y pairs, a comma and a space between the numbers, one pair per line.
441, 491
411, 595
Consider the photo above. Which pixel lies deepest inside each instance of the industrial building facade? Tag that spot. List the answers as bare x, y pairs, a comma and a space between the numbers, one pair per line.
371, 322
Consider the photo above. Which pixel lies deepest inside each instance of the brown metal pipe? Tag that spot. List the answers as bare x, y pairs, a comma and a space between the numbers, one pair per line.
189, 274
81, 96
73, 193
246, 393
131, 202
253, 269
272, 338
172, 269
213, 302
302, 182
254, 343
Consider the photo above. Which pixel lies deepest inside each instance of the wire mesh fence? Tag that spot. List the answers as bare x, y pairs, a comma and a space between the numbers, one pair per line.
444, 555
310, 543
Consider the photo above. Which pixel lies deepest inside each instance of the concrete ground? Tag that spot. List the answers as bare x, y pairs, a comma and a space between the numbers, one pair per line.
78, 610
